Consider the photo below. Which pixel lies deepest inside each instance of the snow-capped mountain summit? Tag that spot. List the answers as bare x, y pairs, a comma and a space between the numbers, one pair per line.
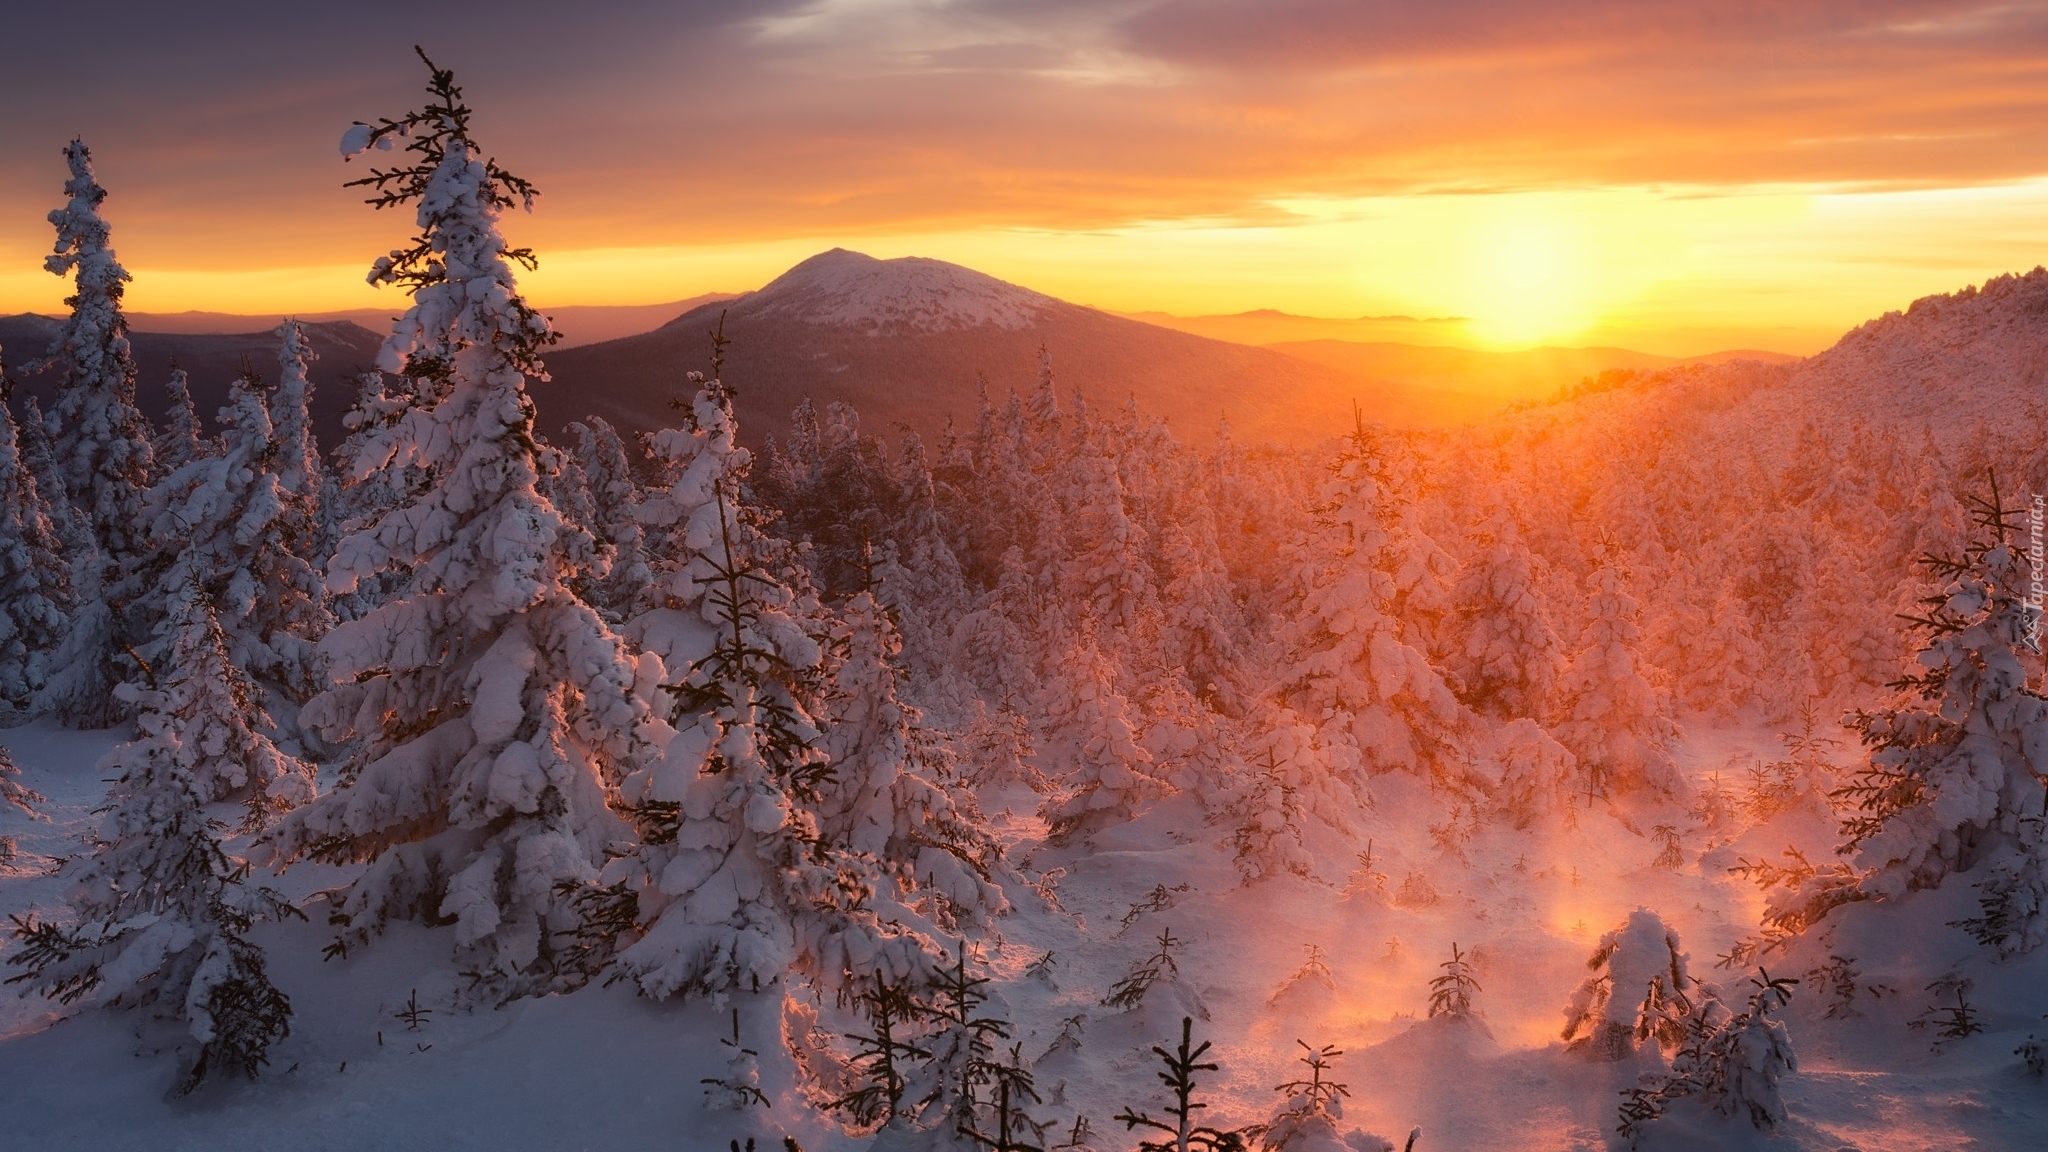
844, 289
909, 342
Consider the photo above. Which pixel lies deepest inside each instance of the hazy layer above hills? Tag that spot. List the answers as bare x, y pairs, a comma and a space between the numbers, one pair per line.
908, 343
1270, 326
578, 323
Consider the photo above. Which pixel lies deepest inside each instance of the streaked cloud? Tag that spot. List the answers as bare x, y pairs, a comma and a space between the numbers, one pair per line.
753, 126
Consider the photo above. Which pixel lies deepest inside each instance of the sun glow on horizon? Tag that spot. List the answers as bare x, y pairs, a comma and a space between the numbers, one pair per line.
1668, 271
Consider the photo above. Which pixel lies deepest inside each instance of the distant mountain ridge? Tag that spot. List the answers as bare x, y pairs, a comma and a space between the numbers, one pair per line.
908, 342
211, 362
577, 323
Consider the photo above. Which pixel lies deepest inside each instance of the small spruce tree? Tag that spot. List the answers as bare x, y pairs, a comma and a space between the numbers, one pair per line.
164, 913
1640, 992
1307, 1122
1180, 1125
1450, 995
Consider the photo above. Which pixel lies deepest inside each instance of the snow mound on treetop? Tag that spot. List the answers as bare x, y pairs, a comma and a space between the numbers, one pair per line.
888, 297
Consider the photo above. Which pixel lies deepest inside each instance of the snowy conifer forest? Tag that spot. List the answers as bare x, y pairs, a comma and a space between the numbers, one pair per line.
1656, 766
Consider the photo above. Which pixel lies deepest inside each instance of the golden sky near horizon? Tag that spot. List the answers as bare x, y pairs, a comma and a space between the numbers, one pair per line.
1673, 177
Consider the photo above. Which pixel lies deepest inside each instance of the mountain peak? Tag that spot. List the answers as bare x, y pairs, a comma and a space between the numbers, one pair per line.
911, 294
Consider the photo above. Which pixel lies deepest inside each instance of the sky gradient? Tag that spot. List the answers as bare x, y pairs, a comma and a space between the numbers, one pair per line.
1672, 177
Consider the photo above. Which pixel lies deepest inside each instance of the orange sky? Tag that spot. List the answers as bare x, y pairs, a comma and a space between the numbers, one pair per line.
1672, 177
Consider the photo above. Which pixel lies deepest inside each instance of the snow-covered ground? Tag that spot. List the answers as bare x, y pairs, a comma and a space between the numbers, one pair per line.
605, 1069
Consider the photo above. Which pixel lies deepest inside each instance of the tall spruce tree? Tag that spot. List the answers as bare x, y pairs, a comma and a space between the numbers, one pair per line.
1507, 656
1353, 665
496, 710
102, 450
735, 885
1953, 782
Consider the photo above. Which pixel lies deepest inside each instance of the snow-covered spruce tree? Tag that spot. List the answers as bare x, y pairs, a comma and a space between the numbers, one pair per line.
1537, 774
1450, 995
362, 490
1640, 992
892, 795
12, 791
180, 440
1092, 745
228, 523
1266, 806
222, 738
736, 886
163, 911
301, 476
1202, 624
614, 492
39, 457
35, 582
102, 452
1742, 1066
966, 1085
1953, 783
1307, 1122
1506, 656
1729, 674
1609, 714
1378, 703
495, 710
920, 578
1732, 1064
1106, 580
996, 750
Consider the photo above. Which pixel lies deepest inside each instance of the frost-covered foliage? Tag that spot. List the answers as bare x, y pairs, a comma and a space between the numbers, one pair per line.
605, 475
1609, 713
361, 489
223, 744
229, 524
893, 793
35, 582
181, 439
495, 711
101, 446
101, 439
1953, 782
1355, 665
1509, 657
298, 453
12, 791
1640, 992
163, 913
737, 885
1092, 746
1732, 1064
